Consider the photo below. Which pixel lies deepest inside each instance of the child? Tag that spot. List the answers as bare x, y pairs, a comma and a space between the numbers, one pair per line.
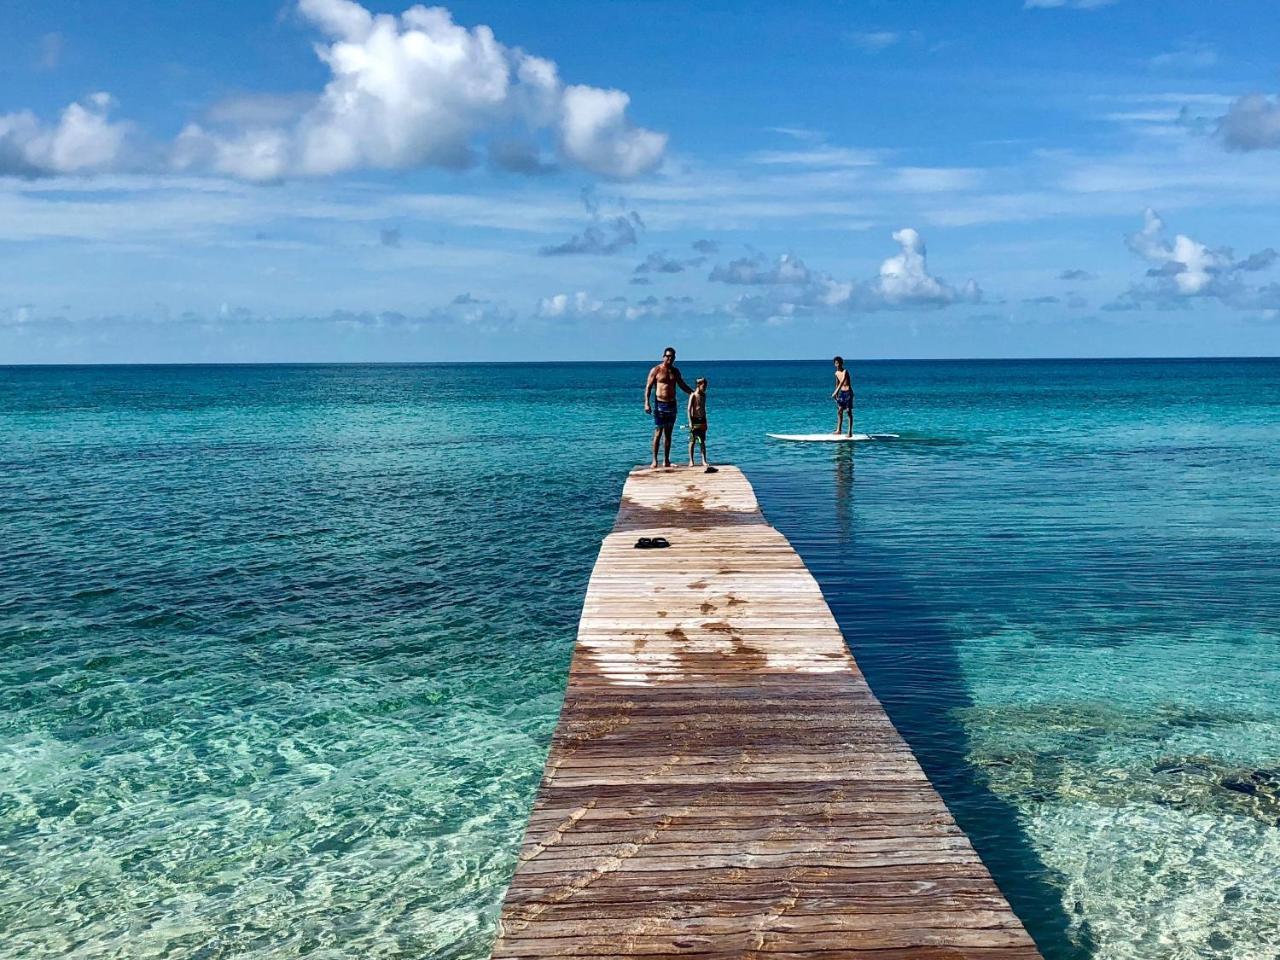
698, 419
843, 395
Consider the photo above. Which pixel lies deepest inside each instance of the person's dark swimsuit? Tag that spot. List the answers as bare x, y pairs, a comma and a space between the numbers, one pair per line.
664, 414
844, 400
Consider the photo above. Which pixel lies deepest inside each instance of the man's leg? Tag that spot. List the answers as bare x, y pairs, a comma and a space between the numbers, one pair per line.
851, 416
657, 432
666, 446
693, 442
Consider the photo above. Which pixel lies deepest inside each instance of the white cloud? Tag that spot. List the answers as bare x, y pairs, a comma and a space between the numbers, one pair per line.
404, 91
934, 179
817, 156
1188, 265
260, 109
420, 90
660, 262
83, 141
756, 270
1186, 56
873, 41
905, 280
1186, 268
1251, 123
50, 51
568, 305
596, 134
583, 306
603, 235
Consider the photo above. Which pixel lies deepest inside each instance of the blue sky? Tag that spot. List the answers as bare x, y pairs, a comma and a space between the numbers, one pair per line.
318, 180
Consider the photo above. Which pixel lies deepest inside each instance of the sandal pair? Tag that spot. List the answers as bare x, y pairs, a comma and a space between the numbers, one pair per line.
652, 543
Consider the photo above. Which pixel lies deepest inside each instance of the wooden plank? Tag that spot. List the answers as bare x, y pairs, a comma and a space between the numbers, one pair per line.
722, 781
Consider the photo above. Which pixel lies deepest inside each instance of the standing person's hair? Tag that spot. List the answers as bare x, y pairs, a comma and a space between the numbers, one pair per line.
837, 359
670, 350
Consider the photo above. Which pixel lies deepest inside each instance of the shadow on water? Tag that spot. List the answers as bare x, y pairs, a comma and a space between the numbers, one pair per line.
912, 665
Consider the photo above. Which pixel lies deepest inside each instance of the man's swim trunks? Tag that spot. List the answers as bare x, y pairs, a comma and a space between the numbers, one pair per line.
664, 413
844, 400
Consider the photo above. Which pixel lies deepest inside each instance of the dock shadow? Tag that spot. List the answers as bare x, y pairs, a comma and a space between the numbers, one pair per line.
912, 665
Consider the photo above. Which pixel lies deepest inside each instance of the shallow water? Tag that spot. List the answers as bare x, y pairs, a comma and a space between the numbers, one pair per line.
283, 646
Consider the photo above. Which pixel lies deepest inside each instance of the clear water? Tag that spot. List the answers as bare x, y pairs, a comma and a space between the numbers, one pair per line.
281, 648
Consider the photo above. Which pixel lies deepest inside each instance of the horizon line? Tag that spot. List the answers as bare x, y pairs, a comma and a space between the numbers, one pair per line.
460, 363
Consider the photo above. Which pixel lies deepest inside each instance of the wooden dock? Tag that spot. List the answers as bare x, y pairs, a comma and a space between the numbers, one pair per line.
722, 782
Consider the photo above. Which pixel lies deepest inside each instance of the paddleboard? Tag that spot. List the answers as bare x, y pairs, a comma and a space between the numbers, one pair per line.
833, 437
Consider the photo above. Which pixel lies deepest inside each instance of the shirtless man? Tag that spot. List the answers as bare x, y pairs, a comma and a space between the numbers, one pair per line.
843, 395
662, 382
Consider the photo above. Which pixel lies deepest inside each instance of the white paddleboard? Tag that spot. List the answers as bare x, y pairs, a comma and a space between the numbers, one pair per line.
833, 437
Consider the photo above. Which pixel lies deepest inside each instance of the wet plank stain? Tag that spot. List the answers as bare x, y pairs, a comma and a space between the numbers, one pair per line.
722, 782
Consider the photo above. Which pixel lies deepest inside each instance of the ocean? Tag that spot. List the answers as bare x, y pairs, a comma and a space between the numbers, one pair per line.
282, 647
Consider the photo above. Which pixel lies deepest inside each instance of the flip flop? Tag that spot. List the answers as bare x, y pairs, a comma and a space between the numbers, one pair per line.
711, 470
652, 543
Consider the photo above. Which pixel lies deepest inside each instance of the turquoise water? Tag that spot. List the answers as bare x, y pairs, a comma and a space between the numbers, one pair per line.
283, 646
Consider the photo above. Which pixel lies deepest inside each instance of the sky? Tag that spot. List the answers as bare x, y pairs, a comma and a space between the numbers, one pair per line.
316, 180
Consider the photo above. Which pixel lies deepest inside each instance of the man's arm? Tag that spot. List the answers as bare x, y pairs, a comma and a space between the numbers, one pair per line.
680, 380
648, 387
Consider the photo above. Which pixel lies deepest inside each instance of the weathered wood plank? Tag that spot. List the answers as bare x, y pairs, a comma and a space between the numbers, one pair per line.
723, 782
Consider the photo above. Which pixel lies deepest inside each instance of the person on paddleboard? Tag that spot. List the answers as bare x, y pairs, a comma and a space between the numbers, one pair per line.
843, 396
662, 383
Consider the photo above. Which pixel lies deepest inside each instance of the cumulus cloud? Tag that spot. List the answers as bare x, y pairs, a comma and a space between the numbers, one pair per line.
595, 134
602, 236
84, 140
659, 262
567, 305
404, 91
390, 238
520, 156
1252, 122
419, 90
706, 247
1189, 266
757, 270
583, 306
1185, 268
905, 279
903, 282
1075, 275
